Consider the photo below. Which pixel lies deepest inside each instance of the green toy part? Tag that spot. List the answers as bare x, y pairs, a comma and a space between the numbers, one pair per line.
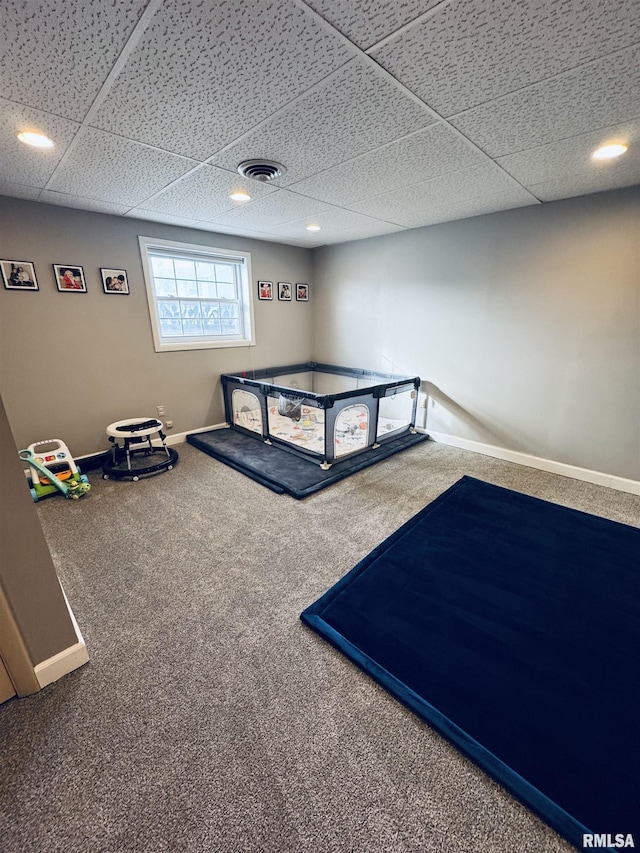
73, 490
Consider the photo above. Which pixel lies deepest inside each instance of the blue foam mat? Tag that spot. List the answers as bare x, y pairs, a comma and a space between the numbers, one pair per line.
510, 625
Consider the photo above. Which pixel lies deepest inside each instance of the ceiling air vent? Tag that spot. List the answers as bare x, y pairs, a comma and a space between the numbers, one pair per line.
261, 170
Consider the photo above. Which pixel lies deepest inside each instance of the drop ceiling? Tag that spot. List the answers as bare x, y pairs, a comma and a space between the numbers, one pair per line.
387, 116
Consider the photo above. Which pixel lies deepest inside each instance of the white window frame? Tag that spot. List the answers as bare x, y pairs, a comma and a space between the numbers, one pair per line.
243, 259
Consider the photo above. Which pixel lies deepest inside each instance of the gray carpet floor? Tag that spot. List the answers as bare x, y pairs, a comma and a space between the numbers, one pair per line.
209, 718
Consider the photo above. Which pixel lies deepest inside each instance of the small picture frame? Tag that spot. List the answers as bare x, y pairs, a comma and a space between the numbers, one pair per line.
114, 281
69, 278
265, 290
302, 292
19, 275
284, 291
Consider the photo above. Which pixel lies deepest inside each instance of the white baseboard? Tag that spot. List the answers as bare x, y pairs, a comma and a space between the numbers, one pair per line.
67, 660
64, 662
181, 437
622, 484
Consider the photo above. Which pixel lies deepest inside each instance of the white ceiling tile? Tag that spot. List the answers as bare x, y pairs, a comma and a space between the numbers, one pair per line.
366, 22
445, 210
337, 217
600, 94
621, 175
205, 72
167, 218
204, 194
238, 232
66, 200
427, 153
109, 168
474, 51
208, 83
420, 199
18, 190
352, 112
187, 222
282, 239
364, 233
334, 234
61, 51
280, 206
572, 157
20, 163
334, 224
211, 227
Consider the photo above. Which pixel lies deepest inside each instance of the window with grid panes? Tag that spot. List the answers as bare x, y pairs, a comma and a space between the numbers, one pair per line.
199, 297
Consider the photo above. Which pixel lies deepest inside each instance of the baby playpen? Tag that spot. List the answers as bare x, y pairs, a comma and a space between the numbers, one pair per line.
322, 412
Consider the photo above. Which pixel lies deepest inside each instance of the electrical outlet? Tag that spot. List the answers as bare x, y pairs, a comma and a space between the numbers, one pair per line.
160, 410
169, 424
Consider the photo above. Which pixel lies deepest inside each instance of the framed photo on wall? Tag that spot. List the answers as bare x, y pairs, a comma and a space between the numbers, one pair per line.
284, 291
114, 281
302, 292
69, 278
19, 275
265, 290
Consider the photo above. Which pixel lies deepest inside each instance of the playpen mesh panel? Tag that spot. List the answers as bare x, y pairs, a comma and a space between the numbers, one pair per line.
395, 413
351, 431
306, 433
297, 381
246, 410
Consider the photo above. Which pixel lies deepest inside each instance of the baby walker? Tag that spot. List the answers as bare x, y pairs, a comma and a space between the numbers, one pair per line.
137, 455
52, 469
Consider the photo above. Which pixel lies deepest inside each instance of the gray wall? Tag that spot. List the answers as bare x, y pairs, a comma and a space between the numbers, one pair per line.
27, 576
525, 324
72, 363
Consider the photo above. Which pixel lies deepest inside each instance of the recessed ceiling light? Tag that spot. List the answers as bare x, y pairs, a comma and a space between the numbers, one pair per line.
313, 227
38, 140
607, 152
240, 195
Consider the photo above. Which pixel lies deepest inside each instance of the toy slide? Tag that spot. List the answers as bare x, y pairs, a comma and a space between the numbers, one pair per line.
77, 484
